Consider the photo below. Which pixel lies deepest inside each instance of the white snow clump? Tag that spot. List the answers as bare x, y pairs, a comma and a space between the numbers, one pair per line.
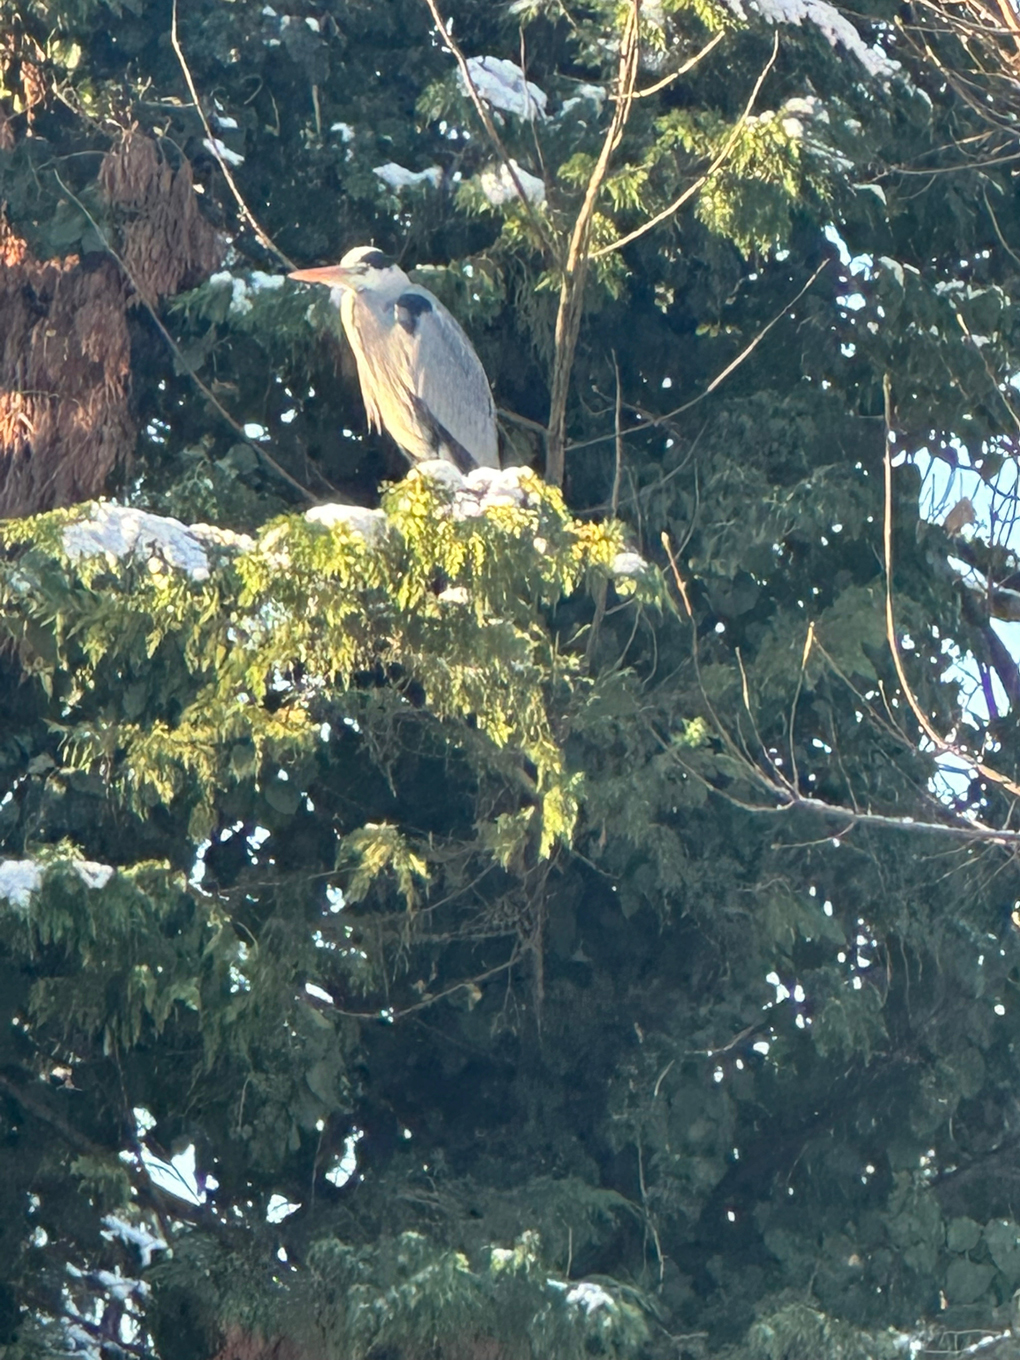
20, 878
498, 185
838, 29
399, 177
629, 564
590, 1297
482, 489
586, 94
136, 1235
370, 524
501, 83
119, 531
221, 151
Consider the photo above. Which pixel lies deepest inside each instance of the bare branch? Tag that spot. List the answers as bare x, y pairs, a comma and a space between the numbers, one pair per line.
788, 801
487, 123
923, 721
808, 644
680, 71
246, 213
677, 577
651, 421
699, 183
614, 502
523, 421
430, 1000
784, 795
575, 269
971, 833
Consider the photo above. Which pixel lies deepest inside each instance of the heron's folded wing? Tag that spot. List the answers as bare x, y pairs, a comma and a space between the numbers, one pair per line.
447, 375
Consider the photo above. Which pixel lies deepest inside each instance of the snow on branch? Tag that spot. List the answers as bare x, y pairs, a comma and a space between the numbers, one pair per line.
838, 30
122, 532
396, 176
502, 85
21, 878
498, 186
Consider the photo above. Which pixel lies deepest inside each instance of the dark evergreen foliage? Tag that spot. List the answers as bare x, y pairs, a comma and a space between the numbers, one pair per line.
590, 953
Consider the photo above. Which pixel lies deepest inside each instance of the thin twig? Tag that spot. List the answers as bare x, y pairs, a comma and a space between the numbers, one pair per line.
788, 803
602, 589
938, 741
661, 1078
523, 421
754, 1028
246, 213
490, 127
750, 348
737, 752
614, 501
539, 158
808, 643
427, 1001
775, 775
1002, 240
40, 1110
678, 579
651, 421
648, 1219
682, 70
996, 385
692, 189
788, 798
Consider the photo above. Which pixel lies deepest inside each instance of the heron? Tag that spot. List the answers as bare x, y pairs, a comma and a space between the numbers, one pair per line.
420, 377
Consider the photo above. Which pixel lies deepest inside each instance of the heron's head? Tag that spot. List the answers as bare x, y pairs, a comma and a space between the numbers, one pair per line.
363, 269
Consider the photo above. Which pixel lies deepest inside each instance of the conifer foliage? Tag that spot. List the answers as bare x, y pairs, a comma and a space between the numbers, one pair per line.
566, 911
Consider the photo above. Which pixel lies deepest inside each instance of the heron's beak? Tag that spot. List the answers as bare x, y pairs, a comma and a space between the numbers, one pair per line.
331, 275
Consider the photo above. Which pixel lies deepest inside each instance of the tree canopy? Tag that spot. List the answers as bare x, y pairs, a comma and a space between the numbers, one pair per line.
561, 912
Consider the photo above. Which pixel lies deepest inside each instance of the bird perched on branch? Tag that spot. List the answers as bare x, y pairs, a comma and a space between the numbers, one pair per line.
420, 377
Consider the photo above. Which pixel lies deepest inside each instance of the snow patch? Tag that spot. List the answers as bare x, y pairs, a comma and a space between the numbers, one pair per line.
222, 151
119, 1286
629, 564
586, 94
481, 490
892, 267
20, 878
137, 1235
398, 177
93, 875
501, 83
261, 282
370, 524
498, 185
119, 532
591, 1297
838, 30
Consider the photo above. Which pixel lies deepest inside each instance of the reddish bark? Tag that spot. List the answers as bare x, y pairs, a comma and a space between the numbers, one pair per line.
64, 345
64, 363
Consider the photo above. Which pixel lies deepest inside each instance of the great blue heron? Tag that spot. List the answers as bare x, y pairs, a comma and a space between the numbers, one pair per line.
420, 377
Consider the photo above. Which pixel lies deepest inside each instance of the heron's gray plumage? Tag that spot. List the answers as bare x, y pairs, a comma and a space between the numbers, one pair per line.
420, 377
